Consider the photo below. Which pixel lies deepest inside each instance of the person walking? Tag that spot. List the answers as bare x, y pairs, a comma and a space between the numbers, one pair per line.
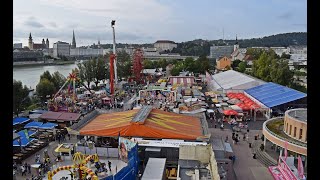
109, 164
29, 168
23, 170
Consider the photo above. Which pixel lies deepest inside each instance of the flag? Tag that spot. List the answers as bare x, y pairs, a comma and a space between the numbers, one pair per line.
27, 134
300, 168
285, 150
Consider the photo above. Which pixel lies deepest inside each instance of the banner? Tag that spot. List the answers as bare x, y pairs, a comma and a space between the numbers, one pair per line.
125, 145
27, 134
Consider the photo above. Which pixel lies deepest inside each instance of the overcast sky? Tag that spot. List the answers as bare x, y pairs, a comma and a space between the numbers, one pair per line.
145, 21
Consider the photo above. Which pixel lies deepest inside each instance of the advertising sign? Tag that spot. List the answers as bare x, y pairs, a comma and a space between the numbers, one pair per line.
125, 146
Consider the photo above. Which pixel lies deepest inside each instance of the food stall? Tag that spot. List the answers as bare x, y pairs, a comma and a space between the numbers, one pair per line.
65, 150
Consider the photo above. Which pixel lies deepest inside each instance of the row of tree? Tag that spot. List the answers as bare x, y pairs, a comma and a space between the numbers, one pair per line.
269, 67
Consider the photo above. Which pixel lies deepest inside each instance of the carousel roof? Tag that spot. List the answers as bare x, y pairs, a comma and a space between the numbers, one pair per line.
158, 124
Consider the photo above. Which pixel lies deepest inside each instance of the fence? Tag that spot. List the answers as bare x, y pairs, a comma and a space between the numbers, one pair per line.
131, 170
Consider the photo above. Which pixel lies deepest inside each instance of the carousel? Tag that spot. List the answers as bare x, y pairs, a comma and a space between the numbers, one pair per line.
65, 100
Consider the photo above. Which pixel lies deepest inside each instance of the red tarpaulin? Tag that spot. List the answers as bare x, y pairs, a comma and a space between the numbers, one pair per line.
230, 112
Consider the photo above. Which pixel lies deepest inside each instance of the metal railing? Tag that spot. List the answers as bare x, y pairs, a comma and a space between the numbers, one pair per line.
281, 137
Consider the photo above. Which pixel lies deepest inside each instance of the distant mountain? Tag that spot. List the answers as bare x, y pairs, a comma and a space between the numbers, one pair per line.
199, 47
202, 47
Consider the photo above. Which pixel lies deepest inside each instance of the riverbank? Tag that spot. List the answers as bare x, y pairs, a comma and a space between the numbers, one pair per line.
53, 63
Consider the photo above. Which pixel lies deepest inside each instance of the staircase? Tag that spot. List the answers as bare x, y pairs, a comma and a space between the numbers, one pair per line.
262, 156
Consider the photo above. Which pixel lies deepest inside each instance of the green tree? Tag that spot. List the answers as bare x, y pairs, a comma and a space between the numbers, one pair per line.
242, 66
235, 63
99, 70
285, 56
45, 88
58, 80
21, 99
86, 73
204, 63
189, 64
46, 75
147, 64
163, 63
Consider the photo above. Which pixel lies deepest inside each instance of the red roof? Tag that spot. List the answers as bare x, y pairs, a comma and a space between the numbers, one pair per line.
248, 58
165, 41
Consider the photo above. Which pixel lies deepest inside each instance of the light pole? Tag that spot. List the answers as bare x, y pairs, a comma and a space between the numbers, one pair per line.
114, 52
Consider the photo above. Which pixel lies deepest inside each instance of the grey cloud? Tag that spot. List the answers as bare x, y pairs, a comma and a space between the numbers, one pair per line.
300, 24
33, 23
101, 10
286, 15
53, 24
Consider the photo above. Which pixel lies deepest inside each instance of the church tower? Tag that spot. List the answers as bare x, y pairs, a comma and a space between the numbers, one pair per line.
30, 43
43, 44
236, 45
99, 43
47, 43
74, 45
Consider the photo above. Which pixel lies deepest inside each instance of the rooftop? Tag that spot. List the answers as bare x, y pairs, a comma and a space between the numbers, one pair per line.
158, 124
299, 114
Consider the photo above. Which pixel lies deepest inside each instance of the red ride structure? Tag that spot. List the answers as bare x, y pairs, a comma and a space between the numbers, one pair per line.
137, 65
112, 59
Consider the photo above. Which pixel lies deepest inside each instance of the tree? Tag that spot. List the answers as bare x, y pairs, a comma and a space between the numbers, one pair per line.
147, 64
86, 72
99, 70
242, 66
163, 63
285, 56
175, 71
235, 63
46, 75
20, 97
45, 88
204, 63
189, 64
58, 80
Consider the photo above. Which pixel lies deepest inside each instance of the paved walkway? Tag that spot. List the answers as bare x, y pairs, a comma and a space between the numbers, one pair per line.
245, 167
51, 147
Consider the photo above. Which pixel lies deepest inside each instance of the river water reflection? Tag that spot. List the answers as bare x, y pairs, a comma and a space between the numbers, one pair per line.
30, 76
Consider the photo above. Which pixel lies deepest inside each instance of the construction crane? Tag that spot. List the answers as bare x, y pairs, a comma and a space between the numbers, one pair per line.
113, 63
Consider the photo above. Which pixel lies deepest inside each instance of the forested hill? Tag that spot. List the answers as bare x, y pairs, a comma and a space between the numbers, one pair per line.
202, 47
286, 39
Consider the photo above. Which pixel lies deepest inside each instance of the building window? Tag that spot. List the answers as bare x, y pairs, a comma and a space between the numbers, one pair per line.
295, 132
287, 128
300, 136
290, 130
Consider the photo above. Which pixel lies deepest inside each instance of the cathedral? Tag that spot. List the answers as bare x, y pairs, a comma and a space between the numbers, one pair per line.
34, 46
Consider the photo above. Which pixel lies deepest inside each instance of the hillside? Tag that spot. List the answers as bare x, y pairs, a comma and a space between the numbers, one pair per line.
202, 47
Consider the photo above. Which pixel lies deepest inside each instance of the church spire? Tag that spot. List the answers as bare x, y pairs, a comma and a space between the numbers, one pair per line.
30, 37
74, 45
236, 39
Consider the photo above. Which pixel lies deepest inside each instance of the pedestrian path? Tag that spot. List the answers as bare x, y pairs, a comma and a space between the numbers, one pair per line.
245, 166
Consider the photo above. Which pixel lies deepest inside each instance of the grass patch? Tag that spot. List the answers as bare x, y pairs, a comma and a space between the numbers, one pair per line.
275, 126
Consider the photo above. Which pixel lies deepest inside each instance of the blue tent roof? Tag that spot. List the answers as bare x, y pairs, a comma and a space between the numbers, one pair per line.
271, 94
24, 142
48, 126
33, 124
20, 120
23, 135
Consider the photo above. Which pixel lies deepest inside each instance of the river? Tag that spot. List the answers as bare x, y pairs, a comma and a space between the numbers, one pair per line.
30, 76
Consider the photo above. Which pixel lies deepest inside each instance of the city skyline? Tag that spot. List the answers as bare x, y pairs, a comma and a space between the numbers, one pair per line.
144, 21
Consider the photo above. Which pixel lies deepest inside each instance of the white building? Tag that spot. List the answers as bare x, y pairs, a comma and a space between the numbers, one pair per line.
297, 49
150, 52
86, 52
162, 45
280, 50
61, 49
17, 45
